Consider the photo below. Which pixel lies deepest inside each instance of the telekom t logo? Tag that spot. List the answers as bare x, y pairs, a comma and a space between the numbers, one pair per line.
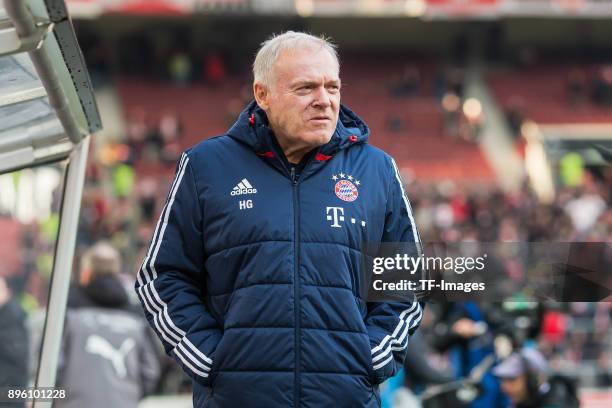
337, 214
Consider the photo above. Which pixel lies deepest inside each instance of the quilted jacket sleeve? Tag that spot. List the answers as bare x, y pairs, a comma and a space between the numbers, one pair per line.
390, 324
169, 283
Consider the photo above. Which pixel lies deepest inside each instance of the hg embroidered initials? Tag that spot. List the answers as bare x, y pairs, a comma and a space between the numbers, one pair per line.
245, 204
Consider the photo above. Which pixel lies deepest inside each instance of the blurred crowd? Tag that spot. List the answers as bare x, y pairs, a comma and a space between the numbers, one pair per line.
450, 212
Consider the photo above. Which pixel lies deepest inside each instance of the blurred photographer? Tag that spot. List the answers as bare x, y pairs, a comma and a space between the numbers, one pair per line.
526, 380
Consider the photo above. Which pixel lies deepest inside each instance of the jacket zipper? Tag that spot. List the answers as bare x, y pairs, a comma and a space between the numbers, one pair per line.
296, 283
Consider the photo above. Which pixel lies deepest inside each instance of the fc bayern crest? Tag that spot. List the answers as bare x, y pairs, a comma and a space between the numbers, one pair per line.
346, 190
346, 186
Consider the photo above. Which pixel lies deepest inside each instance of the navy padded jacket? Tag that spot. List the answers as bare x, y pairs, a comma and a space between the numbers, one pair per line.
252, 279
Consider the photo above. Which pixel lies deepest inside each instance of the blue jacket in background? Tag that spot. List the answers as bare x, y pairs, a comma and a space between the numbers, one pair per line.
252, 280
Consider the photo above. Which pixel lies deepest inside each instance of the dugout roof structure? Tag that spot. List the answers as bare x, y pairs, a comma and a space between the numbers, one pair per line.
46, 101
47, 114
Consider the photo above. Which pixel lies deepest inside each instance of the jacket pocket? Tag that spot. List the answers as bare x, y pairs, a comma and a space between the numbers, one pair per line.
367, 358
365, 347
216, 360
373, 375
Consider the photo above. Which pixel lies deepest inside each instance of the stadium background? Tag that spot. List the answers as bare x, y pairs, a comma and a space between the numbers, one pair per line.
492, 109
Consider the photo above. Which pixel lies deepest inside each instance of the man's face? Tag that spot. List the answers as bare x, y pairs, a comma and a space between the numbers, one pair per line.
303, 101
515, 388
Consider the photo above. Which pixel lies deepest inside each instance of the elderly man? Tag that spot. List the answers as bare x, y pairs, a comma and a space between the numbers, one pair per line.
252, 277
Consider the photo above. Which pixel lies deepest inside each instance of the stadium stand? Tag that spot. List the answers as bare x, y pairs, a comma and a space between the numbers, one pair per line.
546, 95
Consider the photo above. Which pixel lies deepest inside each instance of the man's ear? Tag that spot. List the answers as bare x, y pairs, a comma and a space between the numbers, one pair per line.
261, 95
84, 276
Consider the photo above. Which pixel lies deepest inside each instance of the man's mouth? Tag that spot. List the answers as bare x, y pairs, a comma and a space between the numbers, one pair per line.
320, 118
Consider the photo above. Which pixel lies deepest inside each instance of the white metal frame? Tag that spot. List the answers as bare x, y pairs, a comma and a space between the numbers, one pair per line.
62, 268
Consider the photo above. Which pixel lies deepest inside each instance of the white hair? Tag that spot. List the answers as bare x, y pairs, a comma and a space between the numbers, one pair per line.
263, 66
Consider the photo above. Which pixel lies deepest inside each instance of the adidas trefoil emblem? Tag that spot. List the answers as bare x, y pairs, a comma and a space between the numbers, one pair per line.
244, 187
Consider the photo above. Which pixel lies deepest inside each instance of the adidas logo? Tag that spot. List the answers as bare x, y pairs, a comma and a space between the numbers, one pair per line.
244, 187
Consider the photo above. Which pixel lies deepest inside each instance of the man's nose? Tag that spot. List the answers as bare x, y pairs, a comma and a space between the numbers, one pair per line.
322, 98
